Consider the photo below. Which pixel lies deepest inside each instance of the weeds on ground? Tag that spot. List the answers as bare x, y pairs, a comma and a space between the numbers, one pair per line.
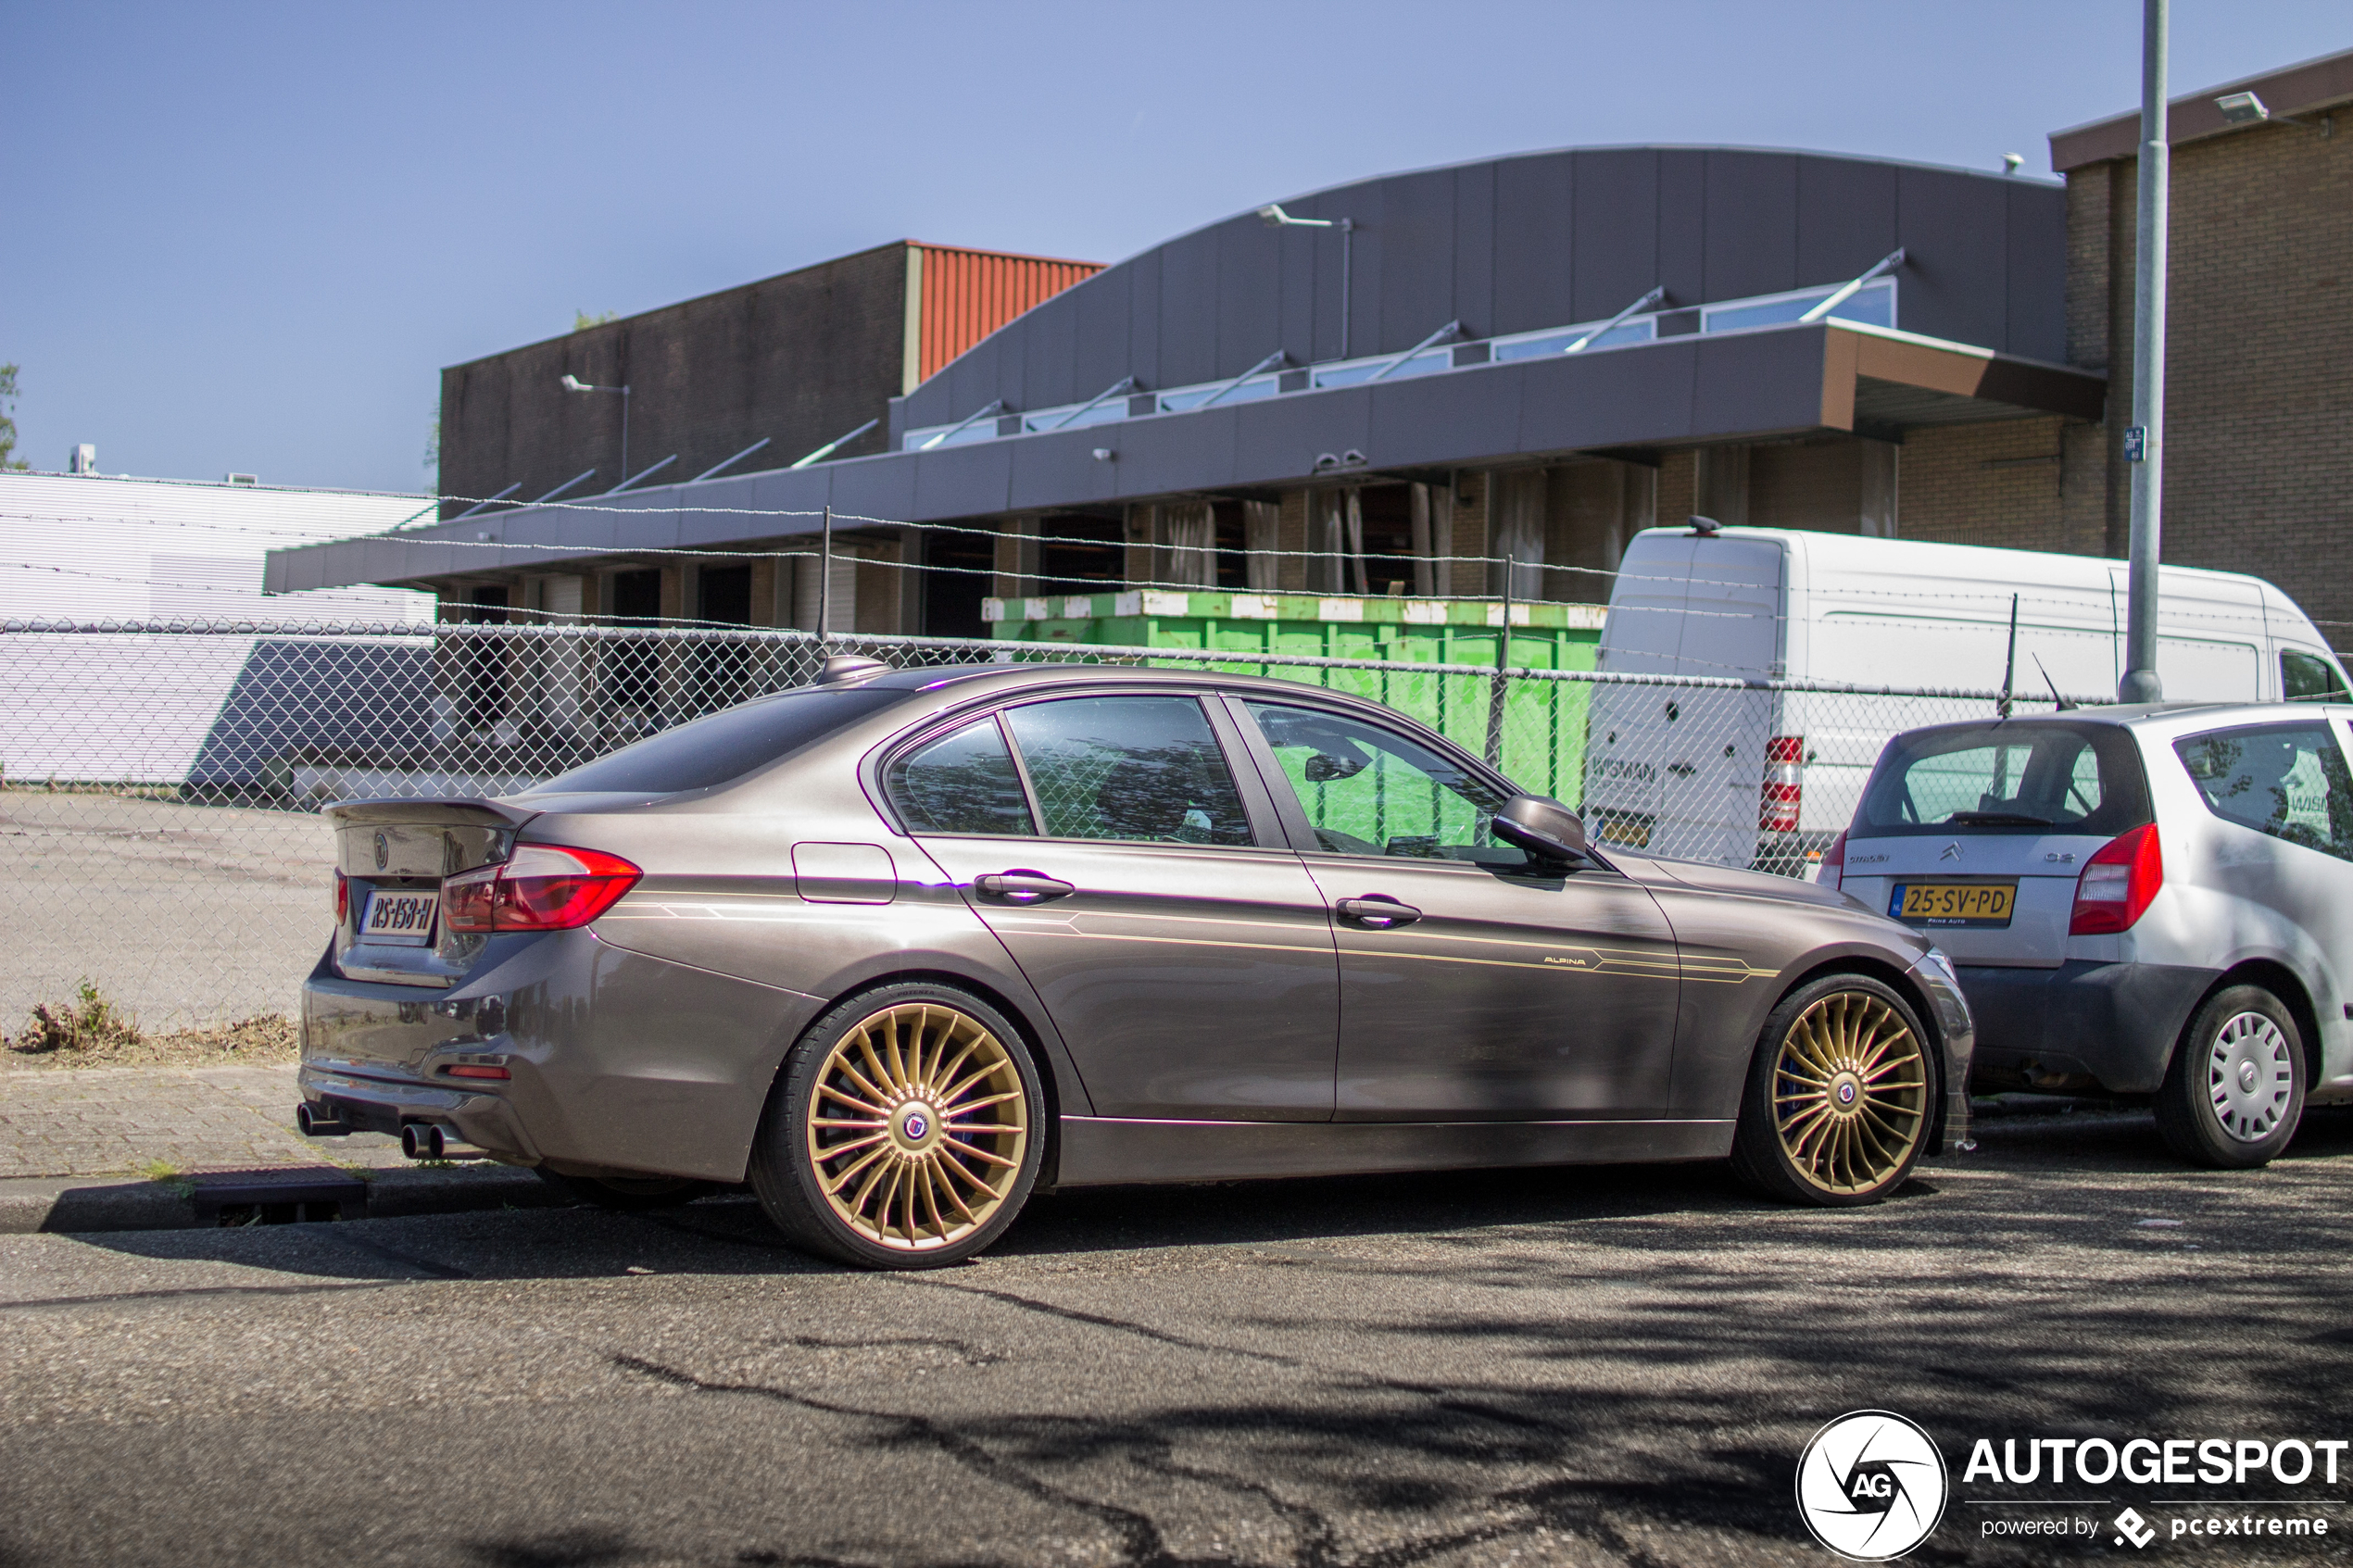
89, 1023
91, 1031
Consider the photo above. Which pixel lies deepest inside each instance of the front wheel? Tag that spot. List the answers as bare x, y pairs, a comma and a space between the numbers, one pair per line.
2235, 1090
905, 1130
1840, 1096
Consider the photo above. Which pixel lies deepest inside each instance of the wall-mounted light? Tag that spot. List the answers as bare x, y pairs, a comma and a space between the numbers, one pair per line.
573, 383
2245, 109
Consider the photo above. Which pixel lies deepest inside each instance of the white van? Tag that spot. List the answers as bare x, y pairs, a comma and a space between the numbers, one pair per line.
1765, 778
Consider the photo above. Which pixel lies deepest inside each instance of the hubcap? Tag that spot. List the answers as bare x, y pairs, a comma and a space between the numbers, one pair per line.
1850, 1092
918, 1125
2250, 1073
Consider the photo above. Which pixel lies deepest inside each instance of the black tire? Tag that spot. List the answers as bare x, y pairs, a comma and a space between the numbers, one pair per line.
627, 1194
2234, 1093
1841, 1092
938, 1115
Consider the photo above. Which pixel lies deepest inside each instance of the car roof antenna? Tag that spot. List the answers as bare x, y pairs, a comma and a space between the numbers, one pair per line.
2066, 704
1704, 527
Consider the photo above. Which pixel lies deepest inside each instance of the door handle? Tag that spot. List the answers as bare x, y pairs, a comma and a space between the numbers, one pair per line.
1021, 887
1377, 912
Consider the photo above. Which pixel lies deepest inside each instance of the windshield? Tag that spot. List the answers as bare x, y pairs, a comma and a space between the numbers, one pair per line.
2024, 776
724, 746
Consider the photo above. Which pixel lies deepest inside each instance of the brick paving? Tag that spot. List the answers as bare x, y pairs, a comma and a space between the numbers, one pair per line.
120, 1121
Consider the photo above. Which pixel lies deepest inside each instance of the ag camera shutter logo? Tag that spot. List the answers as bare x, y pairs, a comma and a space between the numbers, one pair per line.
1871, 1486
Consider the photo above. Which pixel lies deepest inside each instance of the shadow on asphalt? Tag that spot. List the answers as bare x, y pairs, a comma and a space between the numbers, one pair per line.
2057, 1180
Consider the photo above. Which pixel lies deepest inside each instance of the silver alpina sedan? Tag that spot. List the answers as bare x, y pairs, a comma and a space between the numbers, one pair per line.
901, 947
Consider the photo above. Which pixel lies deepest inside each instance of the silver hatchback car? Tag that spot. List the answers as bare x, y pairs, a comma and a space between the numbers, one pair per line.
2139, 900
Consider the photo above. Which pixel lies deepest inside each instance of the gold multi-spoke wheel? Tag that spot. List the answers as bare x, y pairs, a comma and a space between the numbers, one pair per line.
1850, 1092
1842, 1096
911, 1118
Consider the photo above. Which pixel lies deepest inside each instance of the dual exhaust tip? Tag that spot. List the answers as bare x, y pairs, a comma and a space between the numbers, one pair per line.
427, 1140
419, 1140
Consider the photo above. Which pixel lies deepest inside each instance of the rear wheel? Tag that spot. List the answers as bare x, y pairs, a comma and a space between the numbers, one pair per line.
1840, 1096
904, 1133
2234, 1091
625, 1194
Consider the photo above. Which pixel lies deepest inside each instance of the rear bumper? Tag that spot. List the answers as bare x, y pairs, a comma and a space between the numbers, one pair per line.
616, 1062
2082, 1027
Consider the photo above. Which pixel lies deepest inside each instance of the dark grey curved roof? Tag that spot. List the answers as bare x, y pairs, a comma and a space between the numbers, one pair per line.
1535, 240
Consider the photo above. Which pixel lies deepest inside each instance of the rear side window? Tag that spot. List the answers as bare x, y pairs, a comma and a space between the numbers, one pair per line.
2032, 777
2305, 677
2286, 780
1146, 768
724, 746
963, 782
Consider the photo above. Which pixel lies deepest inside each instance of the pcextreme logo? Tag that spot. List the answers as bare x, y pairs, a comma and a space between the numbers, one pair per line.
1871, 1486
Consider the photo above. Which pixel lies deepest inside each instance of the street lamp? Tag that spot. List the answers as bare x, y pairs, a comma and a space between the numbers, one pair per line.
573, 383
1273, 217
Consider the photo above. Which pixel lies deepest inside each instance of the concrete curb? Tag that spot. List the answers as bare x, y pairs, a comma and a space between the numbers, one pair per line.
129, 1203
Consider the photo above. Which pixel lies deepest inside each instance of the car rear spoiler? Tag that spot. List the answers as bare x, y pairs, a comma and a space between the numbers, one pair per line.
475, 812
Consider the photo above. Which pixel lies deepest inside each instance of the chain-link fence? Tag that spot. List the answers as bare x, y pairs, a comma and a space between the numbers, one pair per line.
160, 784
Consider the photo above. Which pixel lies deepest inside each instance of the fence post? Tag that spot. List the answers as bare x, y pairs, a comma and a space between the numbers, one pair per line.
825, 579
1496, 686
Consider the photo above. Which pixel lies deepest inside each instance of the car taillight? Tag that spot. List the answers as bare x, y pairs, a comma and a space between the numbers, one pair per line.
343, 897
543, 887
2117, 882
1833, 862
1777, 811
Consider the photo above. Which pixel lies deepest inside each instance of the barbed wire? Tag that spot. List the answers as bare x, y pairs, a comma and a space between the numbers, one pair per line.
1995, 598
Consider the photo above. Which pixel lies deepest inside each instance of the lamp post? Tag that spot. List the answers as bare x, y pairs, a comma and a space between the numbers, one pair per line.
2144, 440
573, 383
1273, 217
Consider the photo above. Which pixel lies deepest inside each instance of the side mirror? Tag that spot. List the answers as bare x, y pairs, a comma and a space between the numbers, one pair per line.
1546, 828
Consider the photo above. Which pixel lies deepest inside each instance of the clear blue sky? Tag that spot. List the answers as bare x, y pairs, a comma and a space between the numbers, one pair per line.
248, 236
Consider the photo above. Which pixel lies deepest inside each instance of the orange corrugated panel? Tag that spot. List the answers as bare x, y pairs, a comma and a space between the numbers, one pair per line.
969, 294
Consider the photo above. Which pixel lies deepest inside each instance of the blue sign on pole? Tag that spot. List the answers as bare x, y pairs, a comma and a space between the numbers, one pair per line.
2136, 439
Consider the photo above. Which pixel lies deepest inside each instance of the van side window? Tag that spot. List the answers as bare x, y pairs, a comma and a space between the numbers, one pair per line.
2308, 678
2288, 781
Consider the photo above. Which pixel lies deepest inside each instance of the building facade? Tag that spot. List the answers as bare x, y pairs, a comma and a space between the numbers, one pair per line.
1398, 385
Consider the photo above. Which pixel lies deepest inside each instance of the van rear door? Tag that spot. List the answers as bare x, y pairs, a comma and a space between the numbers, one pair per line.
1680, 770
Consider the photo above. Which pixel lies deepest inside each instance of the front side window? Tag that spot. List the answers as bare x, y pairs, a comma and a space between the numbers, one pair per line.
1134, 767
963, 782
2305, 677
2042, 776
2288, 781
1370, 791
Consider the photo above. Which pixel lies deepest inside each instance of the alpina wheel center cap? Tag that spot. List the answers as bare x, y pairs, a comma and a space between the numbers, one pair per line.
1846, 1094
914, 1126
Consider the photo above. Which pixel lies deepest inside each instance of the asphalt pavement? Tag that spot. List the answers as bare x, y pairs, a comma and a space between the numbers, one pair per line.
1596, 1366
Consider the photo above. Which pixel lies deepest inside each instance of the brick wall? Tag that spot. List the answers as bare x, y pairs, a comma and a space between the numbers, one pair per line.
2000, 483
2258, 473
799, 358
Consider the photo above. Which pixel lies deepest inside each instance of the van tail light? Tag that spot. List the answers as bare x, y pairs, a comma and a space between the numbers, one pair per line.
343, 898
2117, 882
1777, 811
542, 887
1833, 869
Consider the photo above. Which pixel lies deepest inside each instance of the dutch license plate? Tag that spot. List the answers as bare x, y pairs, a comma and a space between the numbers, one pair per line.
400, 919
1954, 903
